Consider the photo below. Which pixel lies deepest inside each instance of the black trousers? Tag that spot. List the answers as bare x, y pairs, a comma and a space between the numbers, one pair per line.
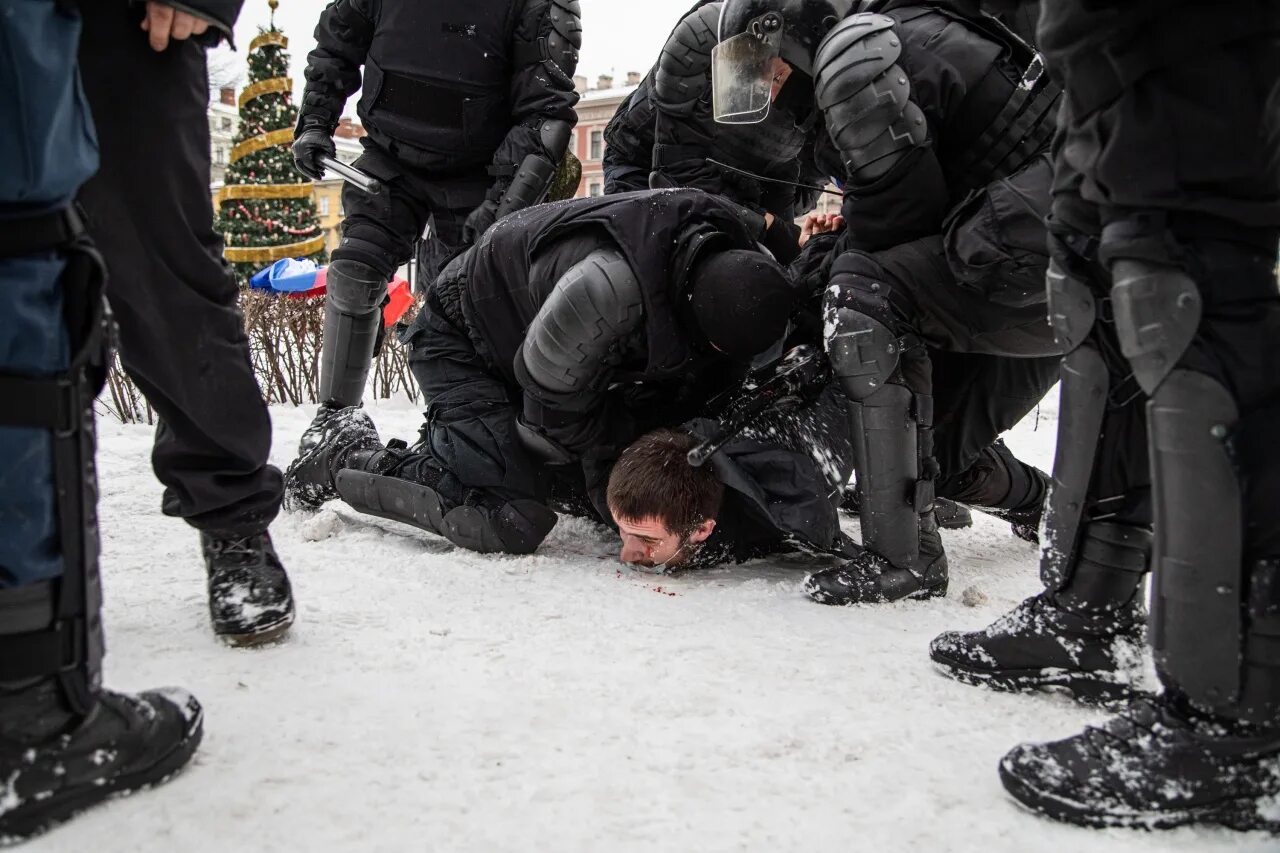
181, 334
1218, 195
1180, 166
381, 231
470, 429
985, 363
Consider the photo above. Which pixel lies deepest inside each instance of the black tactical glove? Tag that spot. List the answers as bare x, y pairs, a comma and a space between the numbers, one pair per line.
479, 221
308, 148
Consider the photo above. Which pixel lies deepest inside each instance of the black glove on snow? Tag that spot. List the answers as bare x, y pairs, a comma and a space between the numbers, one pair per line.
308, 148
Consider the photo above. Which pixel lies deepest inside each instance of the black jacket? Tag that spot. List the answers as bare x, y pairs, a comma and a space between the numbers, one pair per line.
448, 86
784, 480
963, 71
500, 286
662, 373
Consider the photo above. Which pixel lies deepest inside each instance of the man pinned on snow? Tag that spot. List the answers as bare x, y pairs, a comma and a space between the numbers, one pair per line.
568, 331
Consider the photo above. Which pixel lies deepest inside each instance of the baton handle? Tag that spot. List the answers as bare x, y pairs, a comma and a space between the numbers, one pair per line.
352, 175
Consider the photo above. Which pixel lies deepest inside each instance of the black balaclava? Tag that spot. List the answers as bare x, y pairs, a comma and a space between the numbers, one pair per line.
741, 301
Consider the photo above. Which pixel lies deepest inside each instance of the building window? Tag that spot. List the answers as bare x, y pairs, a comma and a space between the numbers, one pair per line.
324, 206
597, 145
220, 156
226, 123
595, 189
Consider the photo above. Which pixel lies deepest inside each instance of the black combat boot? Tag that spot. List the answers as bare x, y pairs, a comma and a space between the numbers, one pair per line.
872, 579
65, 744
1000, 484
312, 434
1086, 638
308, 482
250, 599
1159, 764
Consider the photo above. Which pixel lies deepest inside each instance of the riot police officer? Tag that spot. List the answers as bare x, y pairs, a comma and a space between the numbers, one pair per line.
469, 110
664, 135
941, 120
1166, 216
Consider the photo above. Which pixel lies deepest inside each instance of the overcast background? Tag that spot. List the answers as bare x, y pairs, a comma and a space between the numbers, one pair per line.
618, 36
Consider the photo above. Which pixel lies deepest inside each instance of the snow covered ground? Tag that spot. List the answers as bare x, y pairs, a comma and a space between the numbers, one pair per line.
434, 699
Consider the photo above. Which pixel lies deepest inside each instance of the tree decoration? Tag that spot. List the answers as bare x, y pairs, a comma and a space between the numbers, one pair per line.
266, 210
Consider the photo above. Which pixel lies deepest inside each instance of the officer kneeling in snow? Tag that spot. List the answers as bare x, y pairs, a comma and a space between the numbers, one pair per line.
468, 111
942, 123
569, 330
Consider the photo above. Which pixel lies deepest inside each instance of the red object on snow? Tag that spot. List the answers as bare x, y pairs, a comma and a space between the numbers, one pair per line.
400, 296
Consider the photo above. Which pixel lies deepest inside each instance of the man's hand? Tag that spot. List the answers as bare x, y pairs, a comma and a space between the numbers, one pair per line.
308, 148
820, 223
164, 22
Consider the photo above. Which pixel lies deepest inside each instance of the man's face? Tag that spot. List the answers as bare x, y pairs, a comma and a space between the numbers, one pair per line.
781, 71
648, 542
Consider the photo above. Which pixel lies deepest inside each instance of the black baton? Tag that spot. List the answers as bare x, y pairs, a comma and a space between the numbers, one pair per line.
353, 176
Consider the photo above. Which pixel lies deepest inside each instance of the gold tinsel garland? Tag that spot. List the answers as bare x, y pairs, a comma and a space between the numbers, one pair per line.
271, 254
283, 136
275, 37
272, 191
265, 87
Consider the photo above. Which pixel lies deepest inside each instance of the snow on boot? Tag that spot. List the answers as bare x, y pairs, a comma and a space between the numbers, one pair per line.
1157, 765
308, 482
1086, 637
872, 579
1039, 645
55, 764
311, 435
250, 599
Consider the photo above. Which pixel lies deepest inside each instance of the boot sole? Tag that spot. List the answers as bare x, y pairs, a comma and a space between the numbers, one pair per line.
822, 596
19, 826
1239, 814
1089, 690
261, 636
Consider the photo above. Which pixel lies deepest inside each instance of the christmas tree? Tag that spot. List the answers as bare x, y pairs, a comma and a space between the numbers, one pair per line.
266, 209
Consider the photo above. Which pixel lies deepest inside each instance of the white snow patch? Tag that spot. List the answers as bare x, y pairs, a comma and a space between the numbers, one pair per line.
433, 698
321, 526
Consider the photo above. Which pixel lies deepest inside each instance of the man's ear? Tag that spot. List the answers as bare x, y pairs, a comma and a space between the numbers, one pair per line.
703, 530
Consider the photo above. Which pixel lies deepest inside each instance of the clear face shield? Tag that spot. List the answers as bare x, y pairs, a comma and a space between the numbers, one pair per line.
742, 70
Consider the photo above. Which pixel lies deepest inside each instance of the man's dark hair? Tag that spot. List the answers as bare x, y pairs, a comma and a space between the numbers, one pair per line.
653, 479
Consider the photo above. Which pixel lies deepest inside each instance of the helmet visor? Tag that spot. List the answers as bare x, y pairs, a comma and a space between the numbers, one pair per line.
742, 77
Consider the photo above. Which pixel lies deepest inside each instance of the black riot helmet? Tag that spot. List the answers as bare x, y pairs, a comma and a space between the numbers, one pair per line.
753, 33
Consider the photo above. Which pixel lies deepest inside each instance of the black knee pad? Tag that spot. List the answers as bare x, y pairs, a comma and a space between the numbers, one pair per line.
368, 246
354, 288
